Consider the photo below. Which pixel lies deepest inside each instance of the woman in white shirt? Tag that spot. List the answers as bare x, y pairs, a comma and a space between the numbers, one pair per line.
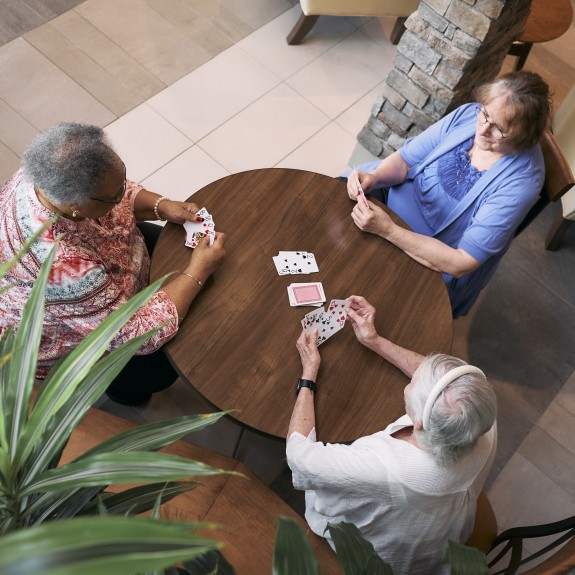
413, 486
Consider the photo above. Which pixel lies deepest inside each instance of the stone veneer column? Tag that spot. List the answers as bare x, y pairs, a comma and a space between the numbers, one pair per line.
449, 48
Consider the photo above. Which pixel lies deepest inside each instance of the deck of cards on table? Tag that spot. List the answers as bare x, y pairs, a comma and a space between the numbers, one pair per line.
295, 263
306, 294
326, 322
195, 231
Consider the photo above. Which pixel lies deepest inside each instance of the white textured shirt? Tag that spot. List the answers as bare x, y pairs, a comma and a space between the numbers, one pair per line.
403, 502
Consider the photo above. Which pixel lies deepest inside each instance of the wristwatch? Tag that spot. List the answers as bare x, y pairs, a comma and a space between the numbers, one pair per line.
306, 383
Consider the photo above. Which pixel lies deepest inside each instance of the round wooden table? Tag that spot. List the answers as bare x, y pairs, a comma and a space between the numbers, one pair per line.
237, 344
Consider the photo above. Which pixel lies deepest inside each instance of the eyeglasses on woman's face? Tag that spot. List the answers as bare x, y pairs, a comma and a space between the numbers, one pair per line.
483, 118
116, 201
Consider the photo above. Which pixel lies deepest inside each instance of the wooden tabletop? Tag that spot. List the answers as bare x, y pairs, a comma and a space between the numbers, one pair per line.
237, 344
547, 20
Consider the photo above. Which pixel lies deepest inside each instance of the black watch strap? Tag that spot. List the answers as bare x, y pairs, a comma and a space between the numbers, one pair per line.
306, 383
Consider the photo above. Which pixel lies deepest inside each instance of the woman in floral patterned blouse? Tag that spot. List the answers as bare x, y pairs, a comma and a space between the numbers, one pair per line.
71, 176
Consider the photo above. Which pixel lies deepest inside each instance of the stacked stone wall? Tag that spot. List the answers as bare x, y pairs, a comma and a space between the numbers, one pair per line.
449, 48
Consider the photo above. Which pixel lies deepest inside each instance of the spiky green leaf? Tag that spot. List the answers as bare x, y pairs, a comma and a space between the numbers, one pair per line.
293, 554
118, 468
355, 552
465, 560
100, 546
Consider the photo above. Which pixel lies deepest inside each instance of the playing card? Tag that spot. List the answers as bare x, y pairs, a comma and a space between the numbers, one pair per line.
195, 231
354, 176
295, 263
306, 294
326, 323
338, 308
309, 319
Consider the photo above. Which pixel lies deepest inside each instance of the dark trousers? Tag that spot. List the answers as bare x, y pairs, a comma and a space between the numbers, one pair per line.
143, 374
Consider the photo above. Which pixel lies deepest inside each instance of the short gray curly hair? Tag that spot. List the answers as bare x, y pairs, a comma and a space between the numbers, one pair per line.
68, 162
462, 413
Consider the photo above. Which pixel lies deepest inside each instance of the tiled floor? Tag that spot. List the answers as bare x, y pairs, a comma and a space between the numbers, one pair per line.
193, 90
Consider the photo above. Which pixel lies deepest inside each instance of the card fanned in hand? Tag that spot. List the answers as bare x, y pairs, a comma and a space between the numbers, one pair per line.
195, 231
326, 322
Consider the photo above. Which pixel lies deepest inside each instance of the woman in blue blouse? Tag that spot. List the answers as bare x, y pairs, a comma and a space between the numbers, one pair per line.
464, 185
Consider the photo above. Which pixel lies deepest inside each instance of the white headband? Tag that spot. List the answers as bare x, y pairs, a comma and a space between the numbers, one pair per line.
441, 384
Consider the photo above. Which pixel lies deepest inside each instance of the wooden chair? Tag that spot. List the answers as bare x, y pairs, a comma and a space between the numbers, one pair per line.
485, 526
313, 9
564, 132
245, 507
510, 542
559, 178
546, 21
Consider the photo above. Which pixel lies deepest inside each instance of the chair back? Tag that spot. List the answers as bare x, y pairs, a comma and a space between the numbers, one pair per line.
511, 543
559, 178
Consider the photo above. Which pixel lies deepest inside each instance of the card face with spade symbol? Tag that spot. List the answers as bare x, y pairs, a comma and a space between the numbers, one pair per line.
327, 322
295, 263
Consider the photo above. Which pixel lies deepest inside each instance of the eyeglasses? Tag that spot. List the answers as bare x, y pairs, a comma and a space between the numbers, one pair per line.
484, 119
112, 201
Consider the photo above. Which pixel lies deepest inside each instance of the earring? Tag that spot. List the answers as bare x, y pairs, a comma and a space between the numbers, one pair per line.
75, 214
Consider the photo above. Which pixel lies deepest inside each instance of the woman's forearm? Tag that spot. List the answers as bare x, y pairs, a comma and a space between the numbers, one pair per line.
404, 359
303, 415
144, 204
432, 253
391, 171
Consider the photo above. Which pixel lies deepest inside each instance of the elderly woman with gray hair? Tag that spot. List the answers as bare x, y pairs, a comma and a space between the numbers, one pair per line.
72, 178
413, 486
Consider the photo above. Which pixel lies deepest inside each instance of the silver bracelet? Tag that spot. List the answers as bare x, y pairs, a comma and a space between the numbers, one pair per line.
158, 217
194, 278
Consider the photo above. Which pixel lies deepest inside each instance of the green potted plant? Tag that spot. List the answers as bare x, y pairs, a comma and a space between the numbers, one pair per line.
36, 494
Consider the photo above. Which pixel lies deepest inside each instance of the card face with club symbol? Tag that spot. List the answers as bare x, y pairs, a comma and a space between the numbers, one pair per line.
327, 322
295, 263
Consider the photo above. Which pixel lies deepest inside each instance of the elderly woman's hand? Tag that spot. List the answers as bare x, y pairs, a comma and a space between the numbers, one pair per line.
374, 219
309, 354
361, 315
205, 258
179, 212
367, 181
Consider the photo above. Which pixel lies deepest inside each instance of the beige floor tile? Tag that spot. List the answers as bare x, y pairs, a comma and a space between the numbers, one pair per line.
265, 132
356, 116
326, 152
268, 44
185, 175
342, 75
15, 132
145, 141
92, 42
82, 69
560, 425
177, 38
240, 17
550, 457
9, 163
524, 495
213, 93
41, 93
